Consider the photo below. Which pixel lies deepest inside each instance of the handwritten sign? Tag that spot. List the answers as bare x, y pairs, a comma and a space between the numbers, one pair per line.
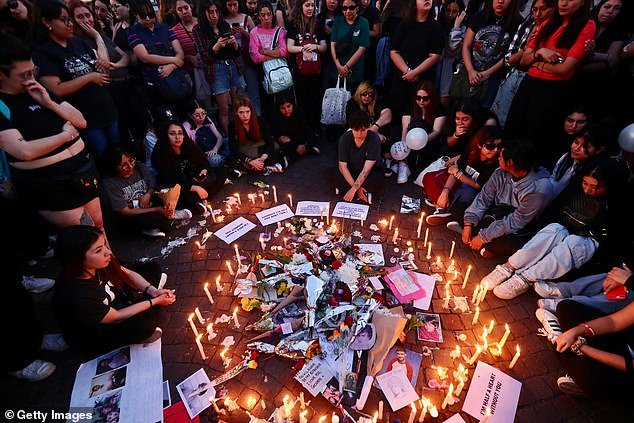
351, 211
492, 388
314, 376
234, 230
274, 214
312, 208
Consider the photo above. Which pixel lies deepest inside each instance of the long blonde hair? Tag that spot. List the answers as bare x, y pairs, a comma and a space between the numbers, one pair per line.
364, 86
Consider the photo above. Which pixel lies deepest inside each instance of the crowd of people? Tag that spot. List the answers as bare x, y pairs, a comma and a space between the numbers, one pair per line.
506, 112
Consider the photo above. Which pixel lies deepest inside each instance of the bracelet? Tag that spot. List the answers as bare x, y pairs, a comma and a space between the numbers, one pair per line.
587, 326
446, 188
377, 125
146, 288
576, 347
150, 300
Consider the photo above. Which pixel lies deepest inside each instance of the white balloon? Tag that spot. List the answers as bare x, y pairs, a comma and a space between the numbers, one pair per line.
626, 138
416, 138
399, 150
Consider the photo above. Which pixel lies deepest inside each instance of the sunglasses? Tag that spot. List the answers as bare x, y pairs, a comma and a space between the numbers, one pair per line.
143, 16
368, 94
492, 146
423, 98
346, 8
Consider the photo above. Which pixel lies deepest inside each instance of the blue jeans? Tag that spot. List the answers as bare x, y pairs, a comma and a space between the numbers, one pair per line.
552, 253
226, 77
505, 94
589, 291
98, 139
220, 158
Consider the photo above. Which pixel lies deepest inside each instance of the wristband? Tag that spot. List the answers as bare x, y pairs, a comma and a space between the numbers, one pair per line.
589, 328
150, 300
146, 288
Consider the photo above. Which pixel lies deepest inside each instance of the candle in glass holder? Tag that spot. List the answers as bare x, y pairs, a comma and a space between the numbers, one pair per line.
389, 228
200, 346
447, 397
274, 194
466, 277
474, 357
507, 332
515, 357
290, 200
192, 324
429, 251
206, 289
453, 246
199, 316
235, 318
426, 237
229, 268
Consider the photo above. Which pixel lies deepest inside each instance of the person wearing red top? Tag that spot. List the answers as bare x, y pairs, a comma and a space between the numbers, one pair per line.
552, 57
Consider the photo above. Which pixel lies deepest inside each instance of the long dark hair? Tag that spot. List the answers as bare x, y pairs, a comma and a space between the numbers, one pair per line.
434, 101
298, 19
510, 16
598, 136
49, 10
164, 152
570, 32
204, 23
484, 135
468, 107
443, 9
411, 13
73, 242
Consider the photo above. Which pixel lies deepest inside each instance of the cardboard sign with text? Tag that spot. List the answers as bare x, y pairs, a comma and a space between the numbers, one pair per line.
492, 388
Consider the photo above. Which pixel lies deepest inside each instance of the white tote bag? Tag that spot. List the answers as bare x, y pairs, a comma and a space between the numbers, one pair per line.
333, 107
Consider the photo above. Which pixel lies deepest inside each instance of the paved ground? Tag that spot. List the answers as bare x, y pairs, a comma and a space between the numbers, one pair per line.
188, 268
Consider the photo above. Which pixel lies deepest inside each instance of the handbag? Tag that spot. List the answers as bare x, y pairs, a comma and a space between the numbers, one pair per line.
277, 75
308, 63
434, 166
461, 88
434, 182
333, 106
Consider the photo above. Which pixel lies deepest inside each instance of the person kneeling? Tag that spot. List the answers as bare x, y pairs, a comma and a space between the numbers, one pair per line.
359, 152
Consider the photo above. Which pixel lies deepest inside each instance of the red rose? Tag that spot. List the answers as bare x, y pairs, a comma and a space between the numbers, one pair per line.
336, 264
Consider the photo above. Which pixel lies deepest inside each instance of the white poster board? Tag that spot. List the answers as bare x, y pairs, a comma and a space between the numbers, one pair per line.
492, 388
274, 214
195, 392
234, 230
351, 211
127, 381
314, 375
312, 208
427, 283
397, 388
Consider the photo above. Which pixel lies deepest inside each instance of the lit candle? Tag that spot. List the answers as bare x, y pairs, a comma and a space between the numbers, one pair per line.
381, 410
395, 237
515, 357
426, 236
420, 225
485, 333
474, 357
262, 244
290, 200
251, 402
238, 260
460, 386
206, 289
424, 403
438, 261
476, 291
274, 194
200, 346
433, 411
210, 331
218, 285
285, 241
466, 277
302, 402
453, 246
507, 332
491, 324
229, 208
447, 298
483, 292
362, 222
237, 195
199, 316
455, 275
200, 247
225, 360
252, 197
475, 316
328, 218
302, 417
235, 318
262, 197
213, 215
412, 414
334, 418
389, 228
321, 213
322, 419
455, 353
429, 250
486, 416
229, 268
375, 418
192, 324
447, 397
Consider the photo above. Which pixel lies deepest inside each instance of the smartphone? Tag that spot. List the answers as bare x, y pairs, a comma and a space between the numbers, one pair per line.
236, 25
619, 293
226, 35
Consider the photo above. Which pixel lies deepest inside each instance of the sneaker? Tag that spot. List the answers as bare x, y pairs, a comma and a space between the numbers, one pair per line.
388, 172
547, 290
568, 386
53, 342
514, 286
37, 370
454, 226
50, 253
549, 304
550, 323
182, 214
429, 202
439, 217
315, 150
158, 332
154, 233
487, 253
388, 163
499, 274
276, 168
37, 285
394, 167
403, 173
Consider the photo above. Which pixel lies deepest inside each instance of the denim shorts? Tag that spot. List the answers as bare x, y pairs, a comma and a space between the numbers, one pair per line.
226, 76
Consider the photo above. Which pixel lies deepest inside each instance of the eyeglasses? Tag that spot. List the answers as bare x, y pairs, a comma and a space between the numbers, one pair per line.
346, 8
200, 115
368, 94
424, 99
66, 21
128, 165
492, 146
30, 74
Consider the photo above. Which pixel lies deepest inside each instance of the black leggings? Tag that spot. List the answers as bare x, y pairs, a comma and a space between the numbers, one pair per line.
593, 377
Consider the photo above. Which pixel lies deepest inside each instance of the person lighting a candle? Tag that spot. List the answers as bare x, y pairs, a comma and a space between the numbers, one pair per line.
358, 173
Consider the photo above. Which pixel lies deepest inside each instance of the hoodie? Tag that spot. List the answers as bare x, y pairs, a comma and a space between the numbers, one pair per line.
528, 196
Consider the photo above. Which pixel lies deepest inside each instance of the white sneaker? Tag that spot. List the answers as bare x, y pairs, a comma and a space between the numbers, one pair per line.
37, 285
514, 286
550, 322
182, 214
549, 304
394, 167
154, 233
53, 342
547, 290
498, 275
567, 385
455, 227
37, 370
403, 173
429, 202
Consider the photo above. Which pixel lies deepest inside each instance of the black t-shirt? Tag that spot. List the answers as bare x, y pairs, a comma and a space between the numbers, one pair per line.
120, 38
415, 42
372, 15
480, 172
612, 33
489, 42
352, 106
92, 100
32, 120
355, 156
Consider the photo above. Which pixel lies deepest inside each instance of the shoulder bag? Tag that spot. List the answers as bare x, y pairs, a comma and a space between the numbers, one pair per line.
277, 75
333, 107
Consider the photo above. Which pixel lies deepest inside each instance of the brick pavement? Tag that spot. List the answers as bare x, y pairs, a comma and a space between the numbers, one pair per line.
188, 268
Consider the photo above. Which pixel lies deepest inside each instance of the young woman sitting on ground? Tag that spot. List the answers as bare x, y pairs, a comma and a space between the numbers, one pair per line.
204, 133
291, 130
